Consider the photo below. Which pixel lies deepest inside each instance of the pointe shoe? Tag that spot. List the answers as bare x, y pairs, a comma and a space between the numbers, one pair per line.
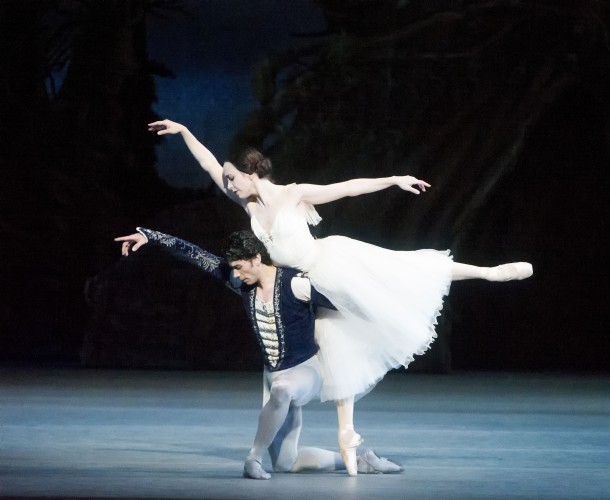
253, 469
349, 440
509, 272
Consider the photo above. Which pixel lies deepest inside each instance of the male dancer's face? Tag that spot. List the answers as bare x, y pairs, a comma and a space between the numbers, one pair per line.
247, 270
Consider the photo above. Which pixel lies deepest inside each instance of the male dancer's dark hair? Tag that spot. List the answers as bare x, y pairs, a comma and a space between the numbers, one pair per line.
243, 245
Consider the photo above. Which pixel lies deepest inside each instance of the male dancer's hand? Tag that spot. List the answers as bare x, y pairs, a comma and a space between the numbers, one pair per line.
133, 241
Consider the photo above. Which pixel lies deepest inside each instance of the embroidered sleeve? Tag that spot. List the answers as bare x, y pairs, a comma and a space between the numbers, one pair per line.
185, 251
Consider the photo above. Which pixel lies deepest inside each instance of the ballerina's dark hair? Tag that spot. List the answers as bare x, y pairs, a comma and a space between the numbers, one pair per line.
243, 245
252, 161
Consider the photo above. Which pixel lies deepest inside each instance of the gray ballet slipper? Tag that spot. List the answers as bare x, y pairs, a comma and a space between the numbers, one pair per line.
253, 469
370, 463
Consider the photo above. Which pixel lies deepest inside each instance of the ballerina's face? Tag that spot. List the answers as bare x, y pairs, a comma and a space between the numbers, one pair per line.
239, 183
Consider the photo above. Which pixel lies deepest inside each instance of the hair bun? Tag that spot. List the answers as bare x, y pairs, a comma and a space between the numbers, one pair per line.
263, 167
252, 161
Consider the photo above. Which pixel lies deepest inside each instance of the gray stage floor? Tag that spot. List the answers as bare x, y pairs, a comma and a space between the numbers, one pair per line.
134, 434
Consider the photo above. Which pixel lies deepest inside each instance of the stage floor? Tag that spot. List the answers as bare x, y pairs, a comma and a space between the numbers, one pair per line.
157, 434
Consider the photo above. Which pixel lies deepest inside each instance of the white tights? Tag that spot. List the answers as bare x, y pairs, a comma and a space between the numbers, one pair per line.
287, 457
280, 422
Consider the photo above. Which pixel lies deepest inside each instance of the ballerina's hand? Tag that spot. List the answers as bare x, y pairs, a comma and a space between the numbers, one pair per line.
407, 182
163, 127
133, 241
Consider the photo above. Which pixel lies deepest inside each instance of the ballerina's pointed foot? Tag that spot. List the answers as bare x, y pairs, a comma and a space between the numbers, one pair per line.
509, 272
253, 469
349, 440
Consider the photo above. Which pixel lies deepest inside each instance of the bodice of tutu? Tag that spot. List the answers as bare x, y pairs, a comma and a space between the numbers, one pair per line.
289, 243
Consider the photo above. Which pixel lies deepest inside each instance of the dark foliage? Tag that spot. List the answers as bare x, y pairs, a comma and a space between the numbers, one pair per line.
149, 310
501, 105
77, 160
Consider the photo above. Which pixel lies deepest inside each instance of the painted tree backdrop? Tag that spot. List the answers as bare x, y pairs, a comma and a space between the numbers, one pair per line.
501, 105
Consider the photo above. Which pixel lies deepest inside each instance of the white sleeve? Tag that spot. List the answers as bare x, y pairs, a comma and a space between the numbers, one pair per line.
301, 287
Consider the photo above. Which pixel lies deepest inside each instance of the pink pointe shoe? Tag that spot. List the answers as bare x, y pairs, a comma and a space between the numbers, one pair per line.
509, 272
349, 440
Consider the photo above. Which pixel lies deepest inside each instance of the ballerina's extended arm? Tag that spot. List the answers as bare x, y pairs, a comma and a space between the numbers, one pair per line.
203, 155
317, 194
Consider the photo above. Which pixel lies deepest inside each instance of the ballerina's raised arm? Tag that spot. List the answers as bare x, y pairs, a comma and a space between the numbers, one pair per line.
239, 177
203, 155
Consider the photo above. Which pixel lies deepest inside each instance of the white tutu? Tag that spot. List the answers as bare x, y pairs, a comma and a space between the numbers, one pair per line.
387, 301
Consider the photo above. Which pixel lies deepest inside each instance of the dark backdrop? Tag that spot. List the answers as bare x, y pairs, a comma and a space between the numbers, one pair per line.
502, 106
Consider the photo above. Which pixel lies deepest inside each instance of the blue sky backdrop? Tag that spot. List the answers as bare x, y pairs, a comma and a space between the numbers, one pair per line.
212, 50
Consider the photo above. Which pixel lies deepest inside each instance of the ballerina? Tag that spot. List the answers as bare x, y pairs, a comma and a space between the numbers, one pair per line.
388, 301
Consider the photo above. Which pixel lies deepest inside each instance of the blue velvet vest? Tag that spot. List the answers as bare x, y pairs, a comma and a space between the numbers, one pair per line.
294, 318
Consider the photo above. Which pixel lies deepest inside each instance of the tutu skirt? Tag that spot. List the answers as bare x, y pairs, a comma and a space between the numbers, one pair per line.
387, 307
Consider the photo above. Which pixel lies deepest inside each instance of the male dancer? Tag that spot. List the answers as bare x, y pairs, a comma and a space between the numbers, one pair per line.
281, 305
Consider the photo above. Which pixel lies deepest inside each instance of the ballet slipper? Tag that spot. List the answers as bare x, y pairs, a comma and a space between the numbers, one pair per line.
349, 441
253, 469
370, 463
509, 272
